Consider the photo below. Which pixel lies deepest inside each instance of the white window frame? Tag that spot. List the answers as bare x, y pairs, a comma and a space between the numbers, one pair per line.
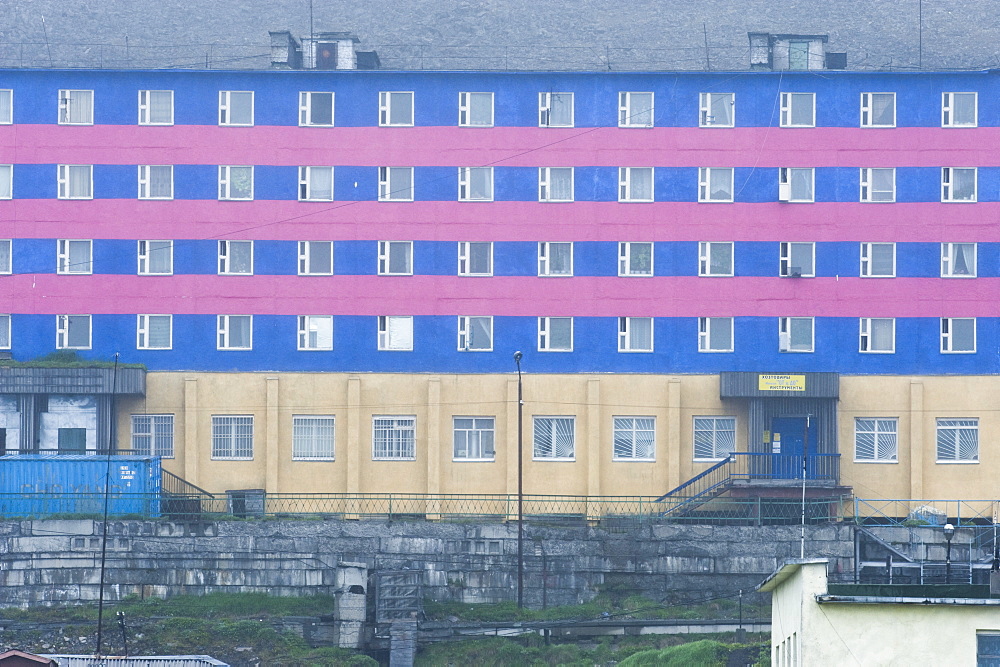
307, 176
705, 116
226, 99
867, 108
386, 252
225, 183
143, 252
63, 324
5, 332
948, 110
6, 256
706, 250
544, 256
786, 252
626, 261
6, 181
545, 110
954, 426
145, 180
465, 323
545, 190
884, 432
869, 194
786, 185
68, 262
625, 430
225, 257
401, 431
466, 176
227, 438
785, 325
158, 431
465, 258
866, 334
386, 325
718, 423
6, 106
65, 181
314, 438
705, 184
705, 337
466, 107
625, 189
386, 190
145, 107
625, 326
868, 263
142, 323
948, 260
305, 108
307, 330
306, 262
947, 335
385, 102
626, 103
223, 336
788, 108
538, 454
544, 338
948, 191
472, 436
69, 99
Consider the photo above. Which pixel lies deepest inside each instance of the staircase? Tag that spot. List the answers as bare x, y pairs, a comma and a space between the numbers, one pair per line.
180, 499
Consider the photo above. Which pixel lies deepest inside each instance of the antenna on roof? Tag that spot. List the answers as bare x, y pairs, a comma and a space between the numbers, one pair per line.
48, 48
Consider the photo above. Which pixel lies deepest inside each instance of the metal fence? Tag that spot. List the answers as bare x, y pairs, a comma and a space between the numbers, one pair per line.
899, 512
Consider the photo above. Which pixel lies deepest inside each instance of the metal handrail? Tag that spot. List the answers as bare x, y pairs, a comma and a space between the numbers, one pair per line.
697, 478
179, 486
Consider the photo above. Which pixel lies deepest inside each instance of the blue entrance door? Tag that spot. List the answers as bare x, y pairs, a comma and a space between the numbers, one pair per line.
789, 437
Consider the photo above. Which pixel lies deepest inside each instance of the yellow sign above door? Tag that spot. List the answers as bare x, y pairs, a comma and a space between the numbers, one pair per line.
781, 382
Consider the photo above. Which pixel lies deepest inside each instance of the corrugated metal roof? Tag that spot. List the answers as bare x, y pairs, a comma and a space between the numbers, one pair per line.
138, 661
22, 380
747, 385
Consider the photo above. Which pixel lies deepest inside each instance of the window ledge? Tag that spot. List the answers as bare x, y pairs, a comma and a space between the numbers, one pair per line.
313, 458
876, 461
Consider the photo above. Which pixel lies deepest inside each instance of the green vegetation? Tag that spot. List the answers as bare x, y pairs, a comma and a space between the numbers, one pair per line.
64, 359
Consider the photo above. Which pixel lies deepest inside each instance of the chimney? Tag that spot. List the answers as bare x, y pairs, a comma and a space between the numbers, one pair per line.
285, 50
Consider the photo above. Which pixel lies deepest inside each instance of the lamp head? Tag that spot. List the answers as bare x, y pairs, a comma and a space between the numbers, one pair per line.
949, 531
517, 357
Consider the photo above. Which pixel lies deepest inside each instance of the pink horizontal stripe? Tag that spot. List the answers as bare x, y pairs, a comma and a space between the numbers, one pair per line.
501, 296
510, 146
499, 221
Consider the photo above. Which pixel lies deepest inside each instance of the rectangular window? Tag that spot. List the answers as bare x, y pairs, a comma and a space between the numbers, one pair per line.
555, 334
717, 110
878, 185
475, 184
958, 440
235, 332
394, 438
555, 184
315, 109
958, 260
634, 438
714, 438
236, 107
475, 259
635, 259
798, 110
235, 183
395, 333
74, 257
553, 438
987, 648
798, 55
878, 260
635, 334
4, 332
475, 334
156, 258
6, 265
715, 259
715, 184
958, 184
877, 334
156, 107
875, 439
475, 109
958, 335
235, 258
797, 260
76, 107
153, 332
76, 181
153, 435
474, 438
555, 109
635, 184
959, 109
315, 332
715, 334
395, 258
555, 259
72, 332
878, 109
395, 183
232, 437
635, 109
795, 334
395, 109
312, 438
315, 183
6, 107
6, 181
315, 258
156, 181
796, 184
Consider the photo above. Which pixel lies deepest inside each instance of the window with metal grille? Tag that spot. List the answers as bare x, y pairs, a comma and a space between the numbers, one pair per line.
958, 440
313, 437
232, 437
875, 439
153, 435
635, 438
394, 437
714, 437
554, 438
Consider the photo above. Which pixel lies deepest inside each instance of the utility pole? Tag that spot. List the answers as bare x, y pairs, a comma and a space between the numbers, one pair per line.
520, 484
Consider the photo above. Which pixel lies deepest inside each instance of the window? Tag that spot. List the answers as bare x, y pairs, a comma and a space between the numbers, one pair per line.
315, 109
153, 332
475, 184
797, 260
72, 332
235, 258
635, 334
235, 183
875, 439
798, 55
76, 181
475, 109
315, 332
635, 259
958, 334
395, 258
315, 183
957, 440
236, 107
798, 110
715, 334
959, 110
395, 183
394, 438
795, 334
475, 334
958, 184
714, 438
635, 438
555, 334
555, 259
312, 437
717, 110
315, 258
395, 109
554, 438
635, 109
235, 332
987, 648
555, 184
715, 259
878, 109
156, 258
6, 181
958, 260
555, 109
635, 184
715, 184
474, 438
74, 257
796, 184
76, 107
232, 437
5, 256
153, 435
4, 332
878, 260
395, 333
156, 107
877, 334
6, 107
475, 259
878, 185
156, 181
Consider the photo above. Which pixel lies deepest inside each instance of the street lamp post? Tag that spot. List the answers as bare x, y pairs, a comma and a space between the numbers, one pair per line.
520, 484
949, 532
